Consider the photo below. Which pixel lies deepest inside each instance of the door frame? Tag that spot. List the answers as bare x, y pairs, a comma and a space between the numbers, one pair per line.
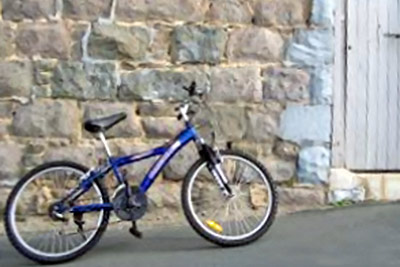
339, 85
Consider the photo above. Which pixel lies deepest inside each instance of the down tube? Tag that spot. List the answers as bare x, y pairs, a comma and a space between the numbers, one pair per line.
184, 137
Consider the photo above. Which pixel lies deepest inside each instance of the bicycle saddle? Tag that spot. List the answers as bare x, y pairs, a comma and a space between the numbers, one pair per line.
105, 123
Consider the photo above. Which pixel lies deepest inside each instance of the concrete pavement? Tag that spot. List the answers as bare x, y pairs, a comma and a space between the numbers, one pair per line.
357, 236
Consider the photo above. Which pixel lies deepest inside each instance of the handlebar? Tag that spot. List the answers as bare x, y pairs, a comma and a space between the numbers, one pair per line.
192, 90
184, 109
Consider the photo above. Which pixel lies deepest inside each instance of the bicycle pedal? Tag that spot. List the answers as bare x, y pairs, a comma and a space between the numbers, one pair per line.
135, 232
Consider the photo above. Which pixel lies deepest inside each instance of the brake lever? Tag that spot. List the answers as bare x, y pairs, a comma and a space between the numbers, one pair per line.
191, 89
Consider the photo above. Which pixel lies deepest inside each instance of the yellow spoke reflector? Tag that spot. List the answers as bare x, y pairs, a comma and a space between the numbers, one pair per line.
214, 226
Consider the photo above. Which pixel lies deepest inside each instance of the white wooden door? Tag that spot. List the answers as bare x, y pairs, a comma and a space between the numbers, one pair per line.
372, 93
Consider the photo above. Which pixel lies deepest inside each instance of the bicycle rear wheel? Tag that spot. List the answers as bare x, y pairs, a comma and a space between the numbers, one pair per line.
32, 229
236, 220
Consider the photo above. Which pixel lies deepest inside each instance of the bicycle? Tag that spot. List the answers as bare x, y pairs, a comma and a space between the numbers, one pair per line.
228, 197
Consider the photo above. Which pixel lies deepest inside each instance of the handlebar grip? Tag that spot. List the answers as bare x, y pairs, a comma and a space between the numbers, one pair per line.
191, 89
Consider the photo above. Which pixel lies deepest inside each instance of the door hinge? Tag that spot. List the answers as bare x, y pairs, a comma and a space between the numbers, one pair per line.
393, 35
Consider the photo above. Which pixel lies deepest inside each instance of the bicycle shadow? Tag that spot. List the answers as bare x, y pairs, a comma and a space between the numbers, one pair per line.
168, 241
10, 257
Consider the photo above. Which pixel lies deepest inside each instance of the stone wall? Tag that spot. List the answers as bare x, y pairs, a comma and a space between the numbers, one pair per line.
266, 63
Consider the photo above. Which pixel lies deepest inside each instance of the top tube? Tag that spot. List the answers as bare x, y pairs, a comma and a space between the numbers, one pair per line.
187, 135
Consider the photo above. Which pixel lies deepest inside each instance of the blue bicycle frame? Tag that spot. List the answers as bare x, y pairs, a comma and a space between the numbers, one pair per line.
166, 153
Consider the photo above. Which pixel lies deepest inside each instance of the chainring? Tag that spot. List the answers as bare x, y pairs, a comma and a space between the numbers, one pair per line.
131, 209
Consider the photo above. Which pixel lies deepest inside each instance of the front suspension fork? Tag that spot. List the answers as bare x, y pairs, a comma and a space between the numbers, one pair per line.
221, 179
214, 166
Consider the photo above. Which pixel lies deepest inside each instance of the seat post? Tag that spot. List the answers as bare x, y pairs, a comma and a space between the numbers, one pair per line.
105, 144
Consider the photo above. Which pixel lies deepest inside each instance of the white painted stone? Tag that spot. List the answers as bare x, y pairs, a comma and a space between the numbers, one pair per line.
391, 186
342, 179
306, 123
323, 12
354, 195
321, 85
313, 165
311, 48
373, 183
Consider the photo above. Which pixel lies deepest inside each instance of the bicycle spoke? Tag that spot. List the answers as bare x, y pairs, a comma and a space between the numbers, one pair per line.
46, 235
243, 217
40, 241
42, 244
236, 214
237, 223
240, 221
227, 218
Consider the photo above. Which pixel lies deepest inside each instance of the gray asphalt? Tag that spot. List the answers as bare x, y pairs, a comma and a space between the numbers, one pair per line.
357, 236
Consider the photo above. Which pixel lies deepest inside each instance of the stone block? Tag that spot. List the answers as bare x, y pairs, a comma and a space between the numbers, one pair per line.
286, 84
7, 36
321, 85
323, 13
28, 9
342, 179
281, 12
161, 127
111, 41
165, 195
7, 109
156, 109
161, 43
255, 44
355, 195
281, 170
128, 128
15, 78
374, 185
4, 129
82, 155
48, 40
299, 198
391, 183
33, 154
286, 150
149, 84
265, 148
230, 122
78, 33
233, 11
198, 44
262, 125
10, 160
300, 124
314, 165
42, 71
246, 147
47, 118
86, 9
4, 193
236, 85
181, 163
311, 48
167, 10
84, 81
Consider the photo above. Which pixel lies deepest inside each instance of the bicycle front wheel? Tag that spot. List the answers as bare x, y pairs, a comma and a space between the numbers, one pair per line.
235, 220
32, 228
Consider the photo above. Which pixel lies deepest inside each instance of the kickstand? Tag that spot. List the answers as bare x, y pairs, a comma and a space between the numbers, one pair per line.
79, 222
134, 231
